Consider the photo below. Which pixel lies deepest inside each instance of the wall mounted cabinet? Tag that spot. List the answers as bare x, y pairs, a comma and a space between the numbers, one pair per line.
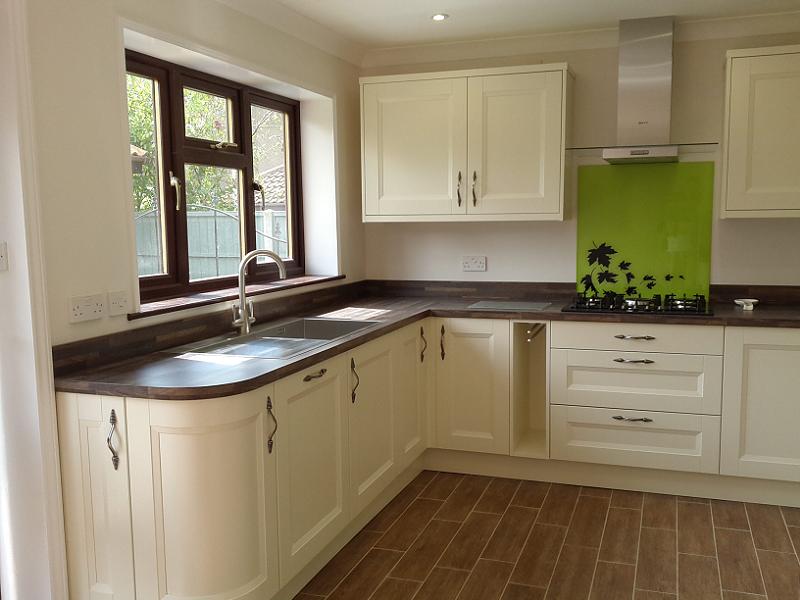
762, 133
481, 145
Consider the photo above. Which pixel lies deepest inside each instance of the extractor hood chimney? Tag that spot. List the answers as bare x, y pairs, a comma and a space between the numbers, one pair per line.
644, 92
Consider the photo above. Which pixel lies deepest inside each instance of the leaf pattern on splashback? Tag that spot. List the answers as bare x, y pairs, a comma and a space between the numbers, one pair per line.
601, 255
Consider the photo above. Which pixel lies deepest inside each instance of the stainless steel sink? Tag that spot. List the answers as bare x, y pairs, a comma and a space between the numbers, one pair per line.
281, 341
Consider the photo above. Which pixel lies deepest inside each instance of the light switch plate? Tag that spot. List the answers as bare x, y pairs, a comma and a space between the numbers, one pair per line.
118, 303
87, 308
3, 256
473, 263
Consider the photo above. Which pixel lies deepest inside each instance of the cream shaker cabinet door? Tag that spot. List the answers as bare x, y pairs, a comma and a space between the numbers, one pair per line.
763, 136
414, 147
760, 407
516, 144
472, 385
413, 354
311, 447
371, 416
97, 508
203, 484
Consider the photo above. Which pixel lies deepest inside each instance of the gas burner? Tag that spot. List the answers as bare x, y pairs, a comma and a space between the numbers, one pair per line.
617, 303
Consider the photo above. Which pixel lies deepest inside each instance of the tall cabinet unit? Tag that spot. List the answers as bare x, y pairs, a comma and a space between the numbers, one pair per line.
760, 408
762, 133
480, 145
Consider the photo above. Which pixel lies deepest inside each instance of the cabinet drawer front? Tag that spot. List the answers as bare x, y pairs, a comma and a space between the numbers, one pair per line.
668, 441
674, 339
685, 383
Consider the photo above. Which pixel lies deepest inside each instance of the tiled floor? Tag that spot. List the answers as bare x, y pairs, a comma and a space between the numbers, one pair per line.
447, 537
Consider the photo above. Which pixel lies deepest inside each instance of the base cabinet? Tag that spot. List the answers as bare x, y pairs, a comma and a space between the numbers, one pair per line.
472, 385
413, 357
203, 484
97, 503
760, 409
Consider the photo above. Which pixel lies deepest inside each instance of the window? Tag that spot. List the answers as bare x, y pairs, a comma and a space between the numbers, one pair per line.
216, 173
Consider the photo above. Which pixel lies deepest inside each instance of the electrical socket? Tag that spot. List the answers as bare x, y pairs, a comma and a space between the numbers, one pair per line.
87, 308
473, 263
118, 303
3, 256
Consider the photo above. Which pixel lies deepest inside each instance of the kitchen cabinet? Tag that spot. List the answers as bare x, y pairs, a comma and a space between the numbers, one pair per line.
472, 385
203, 485
96, 495
371, 413
762, 133
480, 145
413, 356
311, 447
760, 406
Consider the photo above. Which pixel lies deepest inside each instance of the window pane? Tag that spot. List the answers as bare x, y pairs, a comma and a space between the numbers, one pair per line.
214, 224
145, 150
206, 116
270, 162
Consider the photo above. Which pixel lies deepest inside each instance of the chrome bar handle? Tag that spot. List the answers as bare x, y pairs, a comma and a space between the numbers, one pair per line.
271, 437
630, 420
622, 336
319, 374
441, 343
474, 180
458, 188
642, 361
176, 183
114, 455
425, 344
358, 379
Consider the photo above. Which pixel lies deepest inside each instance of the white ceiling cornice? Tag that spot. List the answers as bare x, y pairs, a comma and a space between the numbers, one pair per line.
719, 28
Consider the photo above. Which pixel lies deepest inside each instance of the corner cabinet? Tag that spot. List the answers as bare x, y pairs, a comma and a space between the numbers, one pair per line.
481, 145
762, 134
760, 409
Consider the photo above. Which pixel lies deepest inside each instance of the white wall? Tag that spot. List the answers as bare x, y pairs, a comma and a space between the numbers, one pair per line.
752, 251
81, 133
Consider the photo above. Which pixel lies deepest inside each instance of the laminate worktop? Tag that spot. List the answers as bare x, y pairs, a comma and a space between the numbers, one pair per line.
169, 375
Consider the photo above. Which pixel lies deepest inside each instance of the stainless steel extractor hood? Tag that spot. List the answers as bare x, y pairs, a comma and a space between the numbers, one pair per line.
644, 92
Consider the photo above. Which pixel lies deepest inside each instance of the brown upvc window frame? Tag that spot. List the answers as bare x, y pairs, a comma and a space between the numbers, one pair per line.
178, 150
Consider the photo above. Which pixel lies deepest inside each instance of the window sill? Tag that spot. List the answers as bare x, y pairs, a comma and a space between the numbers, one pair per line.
160, 307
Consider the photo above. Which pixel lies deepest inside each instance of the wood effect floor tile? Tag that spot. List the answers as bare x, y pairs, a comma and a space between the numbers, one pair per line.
396, 507
538, 559
304, 596
459, 504
367, 576
738, 565
698, 578
559, 504
694, 499
596, 492
613, 582
442, 486
514, 591
791, 516
588, 522
442, 584
626, 499
657, 566
794, 533
512, 531
729, 515
340, 565
487, 581
498, 496
781, 575
769, 530
531, 494
469, 542
421, 557
728, 595
405, 530
650, 595
395, 589
695, 530
659, 511
572, 579
621, 537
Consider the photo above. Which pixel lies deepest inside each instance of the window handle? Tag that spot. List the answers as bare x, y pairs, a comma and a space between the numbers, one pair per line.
176, 183
224, 145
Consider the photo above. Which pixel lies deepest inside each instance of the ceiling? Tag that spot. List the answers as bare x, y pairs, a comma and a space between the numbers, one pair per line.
389, 23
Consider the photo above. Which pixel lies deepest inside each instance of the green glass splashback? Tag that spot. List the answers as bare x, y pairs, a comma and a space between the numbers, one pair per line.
645, 229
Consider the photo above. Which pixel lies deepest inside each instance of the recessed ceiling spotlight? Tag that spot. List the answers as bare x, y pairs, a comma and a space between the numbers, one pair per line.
439, 17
